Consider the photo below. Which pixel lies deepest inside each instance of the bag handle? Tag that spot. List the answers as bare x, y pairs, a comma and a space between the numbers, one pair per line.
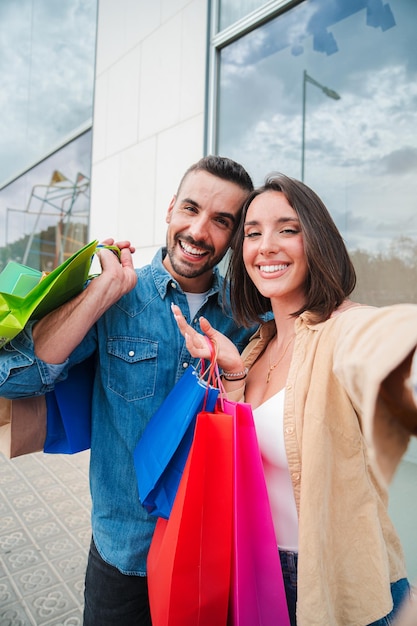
115, 249
214, 378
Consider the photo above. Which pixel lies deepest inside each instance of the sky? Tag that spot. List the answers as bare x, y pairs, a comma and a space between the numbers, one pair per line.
47, 52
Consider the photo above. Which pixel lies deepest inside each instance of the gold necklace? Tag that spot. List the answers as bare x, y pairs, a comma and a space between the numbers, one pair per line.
274, 365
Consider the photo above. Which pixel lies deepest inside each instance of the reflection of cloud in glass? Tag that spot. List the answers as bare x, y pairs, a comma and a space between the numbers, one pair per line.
368, 124
361, 151
399, 161
47, 81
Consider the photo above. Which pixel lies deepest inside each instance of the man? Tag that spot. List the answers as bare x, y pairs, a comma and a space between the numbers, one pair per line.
124, 317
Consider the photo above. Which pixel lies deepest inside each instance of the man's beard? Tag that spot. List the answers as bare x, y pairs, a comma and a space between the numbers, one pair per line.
185, 269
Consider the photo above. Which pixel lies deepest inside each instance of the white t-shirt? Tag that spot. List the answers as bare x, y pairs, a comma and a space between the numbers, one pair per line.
195, 300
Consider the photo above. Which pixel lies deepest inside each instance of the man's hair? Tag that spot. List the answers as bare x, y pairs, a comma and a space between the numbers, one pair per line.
331, 276
222, 167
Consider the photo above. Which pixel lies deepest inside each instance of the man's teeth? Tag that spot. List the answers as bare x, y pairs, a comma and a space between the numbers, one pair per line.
273, 268
191, 250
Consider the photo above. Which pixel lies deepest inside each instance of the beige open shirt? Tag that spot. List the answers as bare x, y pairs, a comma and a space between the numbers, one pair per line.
343, 446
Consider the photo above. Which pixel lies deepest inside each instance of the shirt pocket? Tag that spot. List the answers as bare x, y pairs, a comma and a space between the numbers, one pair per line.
132, 365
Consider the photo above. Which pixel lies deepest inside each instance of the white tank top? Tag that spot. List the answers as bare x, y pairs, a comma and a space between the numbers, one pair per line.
269, 422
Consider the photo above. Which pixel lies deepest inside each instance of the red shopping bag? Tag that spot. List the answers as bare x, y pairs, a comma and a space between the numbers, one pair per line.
189, 560
257, 594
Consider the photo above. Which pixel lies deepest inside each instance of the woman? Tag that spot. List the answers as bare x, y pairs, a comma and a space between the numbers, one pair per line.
328, 382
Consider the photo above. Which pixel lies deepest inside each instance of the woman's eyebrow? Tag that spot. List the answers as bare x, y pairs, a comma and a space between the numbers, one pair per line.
280, 220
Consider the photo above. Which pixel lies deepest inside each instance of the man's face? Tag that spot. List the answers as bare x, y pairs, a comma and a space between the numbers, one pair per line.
201, 220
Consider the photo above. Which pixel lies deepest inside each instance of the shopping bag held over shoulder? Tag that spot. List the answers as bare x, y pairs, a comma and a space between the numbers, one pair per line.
26, 293
68, 411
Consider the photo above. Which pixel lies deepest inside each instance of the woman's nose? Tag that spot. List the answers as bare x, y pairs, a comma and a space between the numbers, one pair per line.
269, 244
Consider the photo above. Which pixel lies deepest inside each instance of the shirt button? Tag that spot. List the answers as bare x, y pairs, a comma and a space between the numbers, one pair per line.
131, 353
173, 285
185, 365
296, 477
289, 430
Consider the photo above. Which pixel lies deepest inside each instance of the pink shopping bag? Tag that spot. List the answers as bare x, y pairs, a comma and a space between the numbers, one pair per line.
257, 594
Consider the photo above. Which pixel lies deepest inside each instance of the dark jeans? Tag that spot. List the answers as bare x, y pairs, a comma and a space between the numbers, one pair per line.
400, 590
289, 562
113, 598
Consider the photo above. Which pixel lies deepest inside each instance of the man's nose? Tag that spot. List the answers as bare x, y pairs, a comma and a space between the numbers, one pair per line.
199, 228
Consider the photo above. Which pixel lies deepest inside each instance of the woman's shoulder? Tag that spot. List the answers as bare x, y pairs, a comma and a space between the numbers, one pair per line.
347, 305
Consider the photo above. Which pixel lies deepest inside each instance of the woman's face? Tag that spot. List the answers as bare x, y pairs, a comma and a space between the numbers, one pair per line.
273, 249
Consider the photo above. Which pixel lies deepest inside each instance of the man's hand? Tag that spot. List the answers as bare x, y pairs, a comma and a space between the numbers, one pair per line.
118, 275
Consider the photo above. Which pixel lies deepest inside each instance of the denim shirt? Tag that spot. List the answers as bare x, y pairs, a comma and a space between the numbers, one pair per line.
140, 354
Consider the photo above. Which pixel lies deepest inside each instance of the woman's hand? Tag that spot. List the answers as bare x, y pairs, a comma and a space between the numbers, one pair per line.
228, 357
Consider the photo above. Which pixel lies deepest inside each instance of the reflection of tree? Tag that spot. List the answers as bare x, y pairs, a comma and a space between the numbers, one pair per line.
43, 250
387, 278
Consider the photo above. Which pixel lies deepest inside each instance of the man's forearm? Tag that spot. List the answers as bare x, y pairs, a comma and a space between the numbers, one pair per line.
56, 335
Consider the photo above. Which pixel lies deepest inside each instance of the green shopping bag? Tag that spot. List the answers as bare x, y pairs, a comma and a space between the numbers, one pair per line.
27, 294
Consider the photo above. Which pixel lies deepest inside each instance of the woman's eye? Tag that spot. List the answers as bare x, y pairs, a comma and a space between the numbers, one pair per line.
252, 235
290, 231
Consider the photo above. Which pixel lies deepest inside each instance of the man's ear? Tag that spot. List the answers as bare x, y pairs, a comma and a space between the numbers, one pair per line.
170, 209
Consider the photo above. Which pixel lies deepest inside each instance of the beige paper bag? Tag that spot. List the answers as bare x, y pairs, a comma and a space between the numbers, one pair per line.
22, 425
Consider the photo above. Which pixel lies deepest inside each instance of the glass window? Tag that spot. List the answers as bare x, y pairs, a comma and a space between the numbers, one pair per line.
231, 11
47, 52
44, 213
326, 92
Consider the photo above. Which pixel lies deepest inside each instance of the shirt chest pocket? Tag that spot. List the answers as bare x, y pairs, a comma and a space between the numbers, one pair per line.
132, 365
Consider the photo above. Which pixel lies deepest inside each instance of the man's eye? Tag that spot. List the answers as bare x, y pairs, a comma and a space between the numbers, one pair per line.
223, 222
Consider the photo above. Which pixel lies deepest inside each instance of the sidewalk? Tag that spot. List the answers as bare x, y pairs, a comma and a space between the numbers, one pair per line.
44, 539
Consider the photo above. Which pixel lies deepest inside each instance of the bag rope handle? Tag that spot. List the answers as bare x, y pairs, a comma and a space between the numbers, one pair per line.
214, 378
115, 249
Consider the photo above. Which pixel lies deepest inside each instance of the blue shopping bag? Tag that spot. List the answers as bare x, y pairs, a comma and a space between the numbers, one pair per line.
162, 451
68, 416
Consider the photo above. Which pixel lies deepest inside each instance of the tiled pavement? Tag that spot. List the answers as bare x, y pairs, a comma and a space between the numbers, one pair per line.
45, 534
44, 538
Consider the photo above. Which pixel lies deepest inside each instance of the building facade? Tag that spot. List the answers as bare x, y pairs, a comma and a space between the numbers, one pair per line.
322, 91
